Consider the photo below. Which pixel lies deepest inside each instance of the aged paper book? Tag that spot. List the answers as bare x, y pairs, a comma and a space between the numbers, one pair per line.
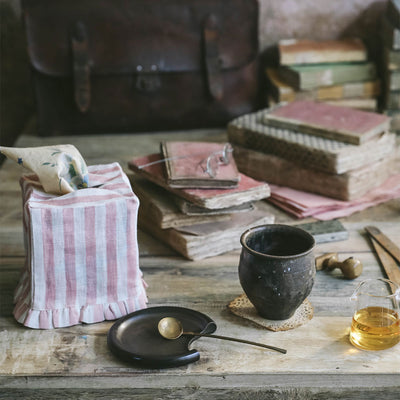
304, 77
347, 186
206, 240
303, 51
310, 151
281, 91
248, 189
199, 164
333, 122
161, 208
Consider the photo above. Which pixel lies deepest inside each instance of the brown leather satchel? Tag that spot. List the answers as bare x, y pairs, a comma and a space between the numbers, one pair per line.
142, 65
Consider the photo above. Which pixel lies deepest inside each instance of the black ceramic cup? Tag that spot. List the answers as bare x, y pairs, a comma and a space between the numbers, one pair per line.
277, 268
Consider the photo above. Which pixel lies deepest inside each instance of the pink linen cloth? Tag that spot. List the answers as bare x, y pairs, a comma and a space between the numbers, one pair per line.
82, 258
304, 204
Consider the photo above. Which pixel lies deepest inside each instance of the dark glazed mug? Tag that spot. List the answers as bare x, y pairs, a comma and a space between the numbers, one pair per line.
276, 268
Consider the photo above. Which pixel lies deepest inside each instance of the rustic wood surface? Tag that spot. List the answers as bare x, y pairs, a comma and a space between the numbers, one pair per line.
76, 363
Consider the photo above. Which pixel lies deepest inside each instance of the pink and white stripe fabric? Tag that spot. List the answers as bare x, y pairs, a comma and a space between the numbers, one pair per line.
82, 258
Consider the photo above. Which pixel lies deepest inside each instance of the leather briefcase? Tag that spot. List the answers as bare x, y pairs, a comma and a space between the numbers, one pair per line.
141, 65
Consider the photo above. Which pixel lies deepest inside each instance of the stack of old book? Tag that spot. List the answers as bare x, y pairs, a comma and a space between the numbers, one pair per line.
333, 151
390, 34
334, 71
193, 198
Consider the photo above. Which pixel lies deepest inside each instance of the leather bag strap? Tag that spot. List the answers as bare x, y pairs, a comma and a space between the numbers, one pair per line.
81, 67
211, 55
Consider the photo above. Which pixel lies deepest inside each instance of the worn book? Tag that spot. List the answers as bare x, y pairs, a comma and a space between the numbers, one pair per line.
325, 231
391, 79
210, 239
393, 100
304, 77
161, 208
359, 103
325, 120
280, 91
189, 208
303, 51
390, 34
347, 186
391, 59
304, 204
248, 189
199, 164
319, 153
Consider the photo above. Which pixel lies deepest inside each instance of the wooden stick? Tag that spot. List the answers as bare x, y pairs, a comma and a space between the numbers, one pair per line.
387, 261
384, 241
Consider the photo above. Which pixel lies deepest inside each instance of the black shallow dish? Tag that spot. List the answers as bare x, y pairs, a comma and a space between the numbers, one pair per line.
135, 337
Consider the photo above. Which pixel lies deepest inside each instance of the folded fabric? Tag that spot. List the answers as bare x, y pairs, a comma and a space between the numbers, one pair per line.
60, 169
304, 204
82, 259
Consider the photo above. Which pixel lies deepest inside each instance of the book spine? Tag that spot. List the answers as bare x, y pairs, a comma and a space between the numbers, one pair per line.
393, 100
321, 56
349, 90
359, 90
296, 52
392, 59
335, 75
249, 132
394, 80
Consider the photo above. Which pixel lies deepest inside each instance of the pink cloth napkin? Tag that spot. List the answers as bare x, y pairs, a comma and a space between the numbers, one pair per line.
303, 204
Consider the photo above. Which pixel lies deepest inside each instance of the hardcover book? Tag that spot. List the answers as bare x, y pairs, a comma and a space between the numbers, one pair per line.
393, 100
392, 79
161, 209
190, 208
359, 103
325, 120
319, 153
210, 239
304, 51
347, 186
303, 77
391, 59
199, 165
248, 189
280, 91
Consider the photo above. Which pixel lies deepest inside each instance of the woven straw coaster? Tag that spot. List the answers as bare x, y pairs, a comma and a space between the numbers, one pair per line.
242, 307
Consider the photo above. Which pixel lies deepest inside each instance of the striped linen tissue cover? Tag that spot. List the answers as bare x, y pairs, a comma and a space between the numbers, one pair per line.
82, 258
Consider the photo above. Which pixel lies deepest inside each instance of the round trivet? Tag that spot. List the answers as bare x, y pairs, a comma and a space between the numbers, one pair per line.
242, 307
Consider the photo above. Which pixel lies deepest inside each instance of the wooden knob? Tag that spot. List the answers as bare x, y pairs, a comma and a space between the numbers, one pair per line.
351, 267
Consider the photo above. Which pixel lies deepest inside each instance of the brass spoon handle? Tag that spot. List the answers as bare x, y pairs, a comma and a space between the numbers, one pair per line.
235, 340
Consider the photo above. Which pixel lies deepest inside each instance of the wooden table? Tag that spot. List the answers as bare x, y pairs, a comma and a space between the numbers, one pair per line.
75, 362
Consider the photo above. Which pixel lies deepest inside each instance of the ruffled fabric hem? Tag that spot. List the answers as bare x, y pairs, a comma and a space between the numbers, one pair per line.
69, 316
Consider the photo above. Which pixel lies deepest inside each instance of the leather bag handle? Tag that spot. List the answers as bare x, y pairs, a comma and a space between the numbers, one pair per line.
81, 67
211, 56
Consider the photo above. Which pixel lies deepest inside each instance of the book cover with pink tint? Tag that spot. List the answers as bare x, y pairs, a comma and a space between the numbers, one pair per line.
333, 122
248, 189
186, 164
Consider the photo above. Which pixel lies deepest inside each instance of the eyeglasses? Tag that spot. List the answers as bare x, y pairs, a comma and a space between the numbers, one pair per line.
210, 164
214, 160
